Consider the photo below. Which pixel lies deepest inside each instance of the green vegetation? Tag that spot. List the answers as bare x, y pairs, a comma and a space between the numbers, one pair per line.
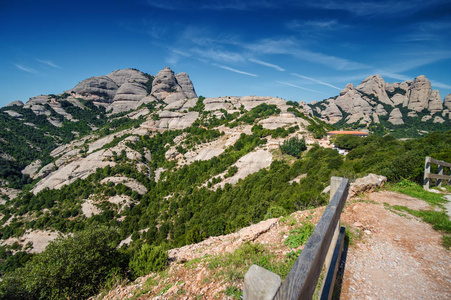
71, 267
300, 235
415, 190
149, 259
294, 146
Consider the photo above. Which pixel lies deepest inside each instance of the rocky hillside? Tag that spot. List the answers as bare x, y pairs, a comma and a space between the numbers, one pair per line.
377, 104
142, 160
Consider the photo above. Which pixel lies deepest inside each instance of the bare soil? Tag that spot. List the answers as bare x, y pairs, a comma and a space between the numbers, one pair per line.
399, 256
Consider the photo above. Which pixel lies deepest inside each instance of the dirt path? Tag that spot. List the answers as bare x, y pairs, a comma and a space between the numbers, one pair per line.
399, 256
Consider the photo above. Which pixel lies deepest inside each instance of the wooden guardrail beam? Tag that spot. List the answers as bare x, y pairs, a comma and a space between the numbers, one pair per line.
428, 175
303, 277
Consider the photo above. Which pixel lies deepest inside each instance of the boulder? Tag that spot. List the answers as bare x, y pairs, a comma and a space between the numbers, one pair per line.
420, 93
375, 85
254, 231
438, 119
186, 85
395, 117
102, 86
367, 184
426, 118
435, 102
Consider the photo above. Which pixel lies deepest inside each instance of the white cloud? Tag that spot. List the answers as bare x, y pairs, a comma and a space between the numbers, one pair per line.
293, 48
49, 63
297, 86
266, 64
316, 80
236, 71
219, 55
26, 69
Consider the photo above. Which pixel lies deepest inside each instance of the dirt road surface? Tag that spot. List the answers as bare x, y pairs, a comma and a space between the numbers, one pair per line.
398, 257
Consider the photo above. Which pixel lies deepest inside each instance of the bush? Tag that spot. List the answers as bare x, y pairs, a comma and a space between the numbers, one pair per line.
293, 146
149, 259
72, 267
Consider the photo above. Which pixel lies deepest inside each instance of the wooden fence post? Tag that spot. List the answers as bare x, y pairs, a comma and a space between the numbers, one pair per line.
427, 170
440, 172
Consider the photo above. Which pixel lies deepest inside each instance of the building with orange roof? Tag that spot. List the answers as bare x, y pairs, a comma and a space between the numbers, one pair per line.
356, 133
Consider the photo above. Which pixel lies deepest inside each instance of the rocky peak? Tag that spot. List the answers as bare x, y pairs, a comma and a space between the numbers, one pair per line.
100, 85
15, 103
186, 85
420, 94
375, 85
435, 102
347, 88
396, 117
165, 83
127, 75
447, 102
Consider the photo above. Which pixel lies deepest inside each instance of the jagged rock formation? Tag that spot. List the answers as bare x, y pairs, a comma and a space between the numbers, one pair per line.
395, 117
373, 98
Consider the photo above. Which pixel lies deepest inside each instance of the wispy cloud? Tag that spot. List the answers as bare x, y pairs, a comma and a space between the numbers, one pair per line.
266, 64
440, 85
219, 55
316, 80
316, 25
368, 8
236, 71
293, 48
26, 69
48, 63
217, 5
297, 86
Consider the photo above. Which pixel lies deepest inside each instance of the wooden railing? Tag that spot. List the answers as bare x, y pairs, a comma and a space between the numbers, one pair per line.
440, 176
322, 249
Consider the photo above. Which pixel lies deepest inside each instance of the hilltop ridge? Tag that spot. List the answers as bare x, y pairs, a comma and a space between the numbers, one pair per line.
375, 101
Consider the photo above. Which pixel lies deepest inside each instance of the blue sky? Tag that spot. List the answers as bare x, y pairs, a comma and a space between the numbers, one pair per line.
296, 50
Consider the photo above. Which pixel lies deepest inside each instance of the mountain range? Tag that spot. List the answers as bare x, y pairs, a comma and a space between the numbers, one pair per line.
146, 157
375, 101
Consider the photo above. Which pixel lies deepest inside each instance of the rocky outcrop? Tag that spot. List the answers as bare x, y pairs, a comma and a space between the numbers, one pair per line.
420, 93
102, 86
16, 103
375, 85
127, 75
332, 112
371, 97
435, 102
447, 102
367, 184
396, 117
380, 110
164, 84
186, 85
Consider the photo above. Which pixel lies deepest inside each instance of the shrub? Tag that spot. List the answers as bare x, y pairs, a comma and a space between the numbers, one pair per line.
294, 146
148, 259
299, 236
72, 267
